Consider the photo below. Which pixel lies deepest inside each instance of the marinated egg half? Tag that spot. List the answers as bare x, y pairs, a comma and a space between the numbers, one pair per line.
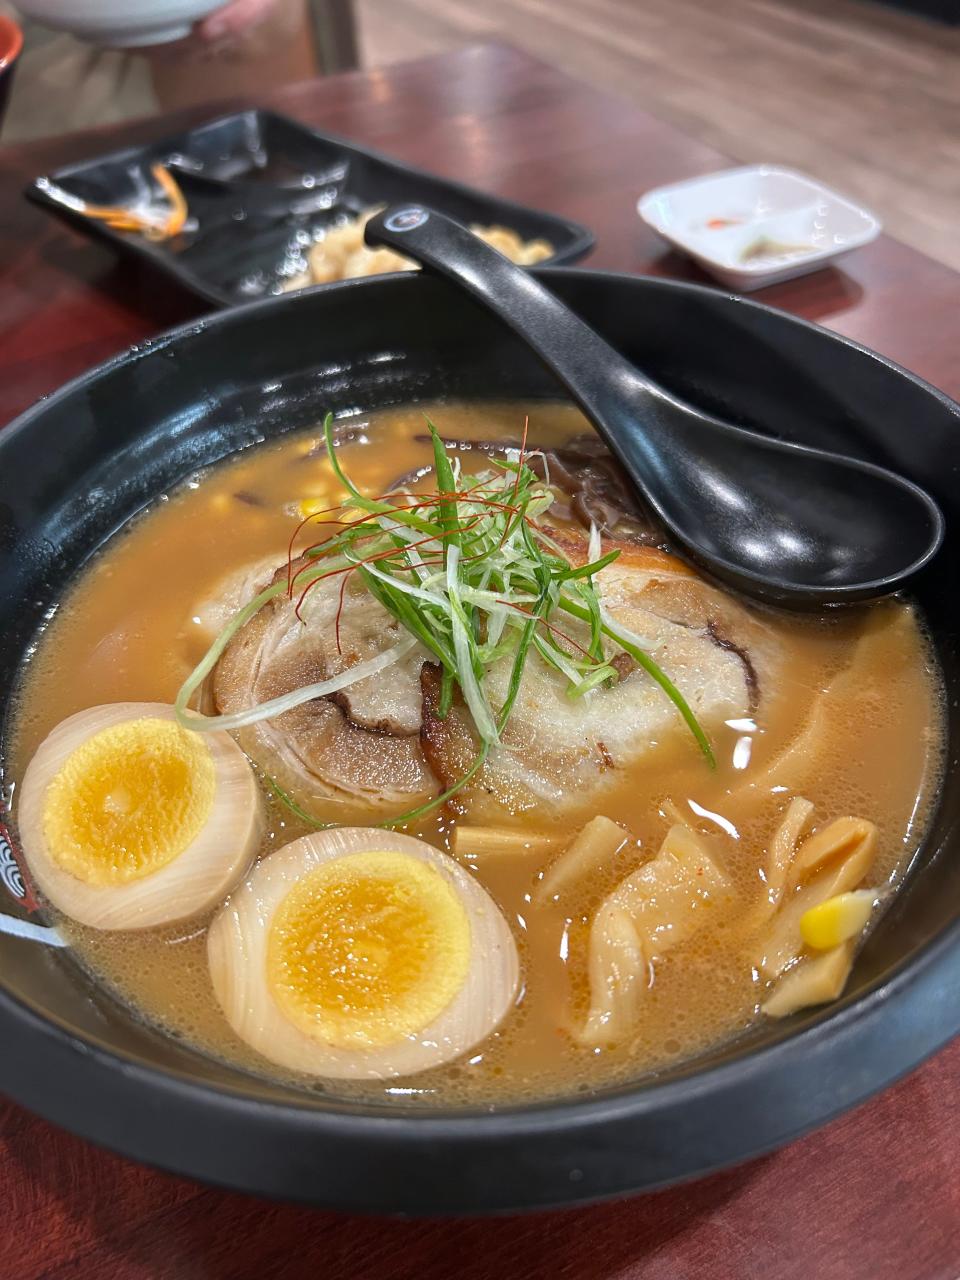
362, 952
128, 821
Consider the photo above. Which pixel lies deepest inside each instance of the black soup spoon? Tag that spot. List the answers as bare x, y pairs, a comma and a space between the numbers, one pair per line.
782, 522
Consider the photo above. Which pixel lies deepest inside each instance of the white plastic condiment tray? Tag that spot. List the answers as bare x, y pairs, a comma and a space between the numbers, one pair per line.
757, 225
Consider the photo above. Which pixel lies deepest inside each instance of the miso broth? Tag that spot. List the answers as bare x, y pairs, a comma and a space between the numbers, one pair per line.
131, 629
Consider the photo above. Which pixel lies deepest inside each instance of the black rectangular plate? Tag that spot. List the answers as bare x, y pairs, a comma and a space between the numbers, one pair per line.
258, 186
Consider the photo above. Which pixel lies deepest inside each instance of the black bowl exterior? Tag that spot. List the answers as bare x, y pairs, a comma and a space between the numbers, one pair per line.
76, 467
7, 72
243, 176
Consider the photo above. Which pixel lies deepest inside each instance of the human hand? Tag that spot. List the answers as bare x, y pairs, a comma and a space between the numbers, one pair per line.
234, 19
214, 34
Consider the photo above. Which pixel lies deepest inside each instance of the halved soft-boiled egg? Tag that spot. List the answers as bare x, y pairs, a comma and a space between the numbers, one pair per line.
362, 952
128, 821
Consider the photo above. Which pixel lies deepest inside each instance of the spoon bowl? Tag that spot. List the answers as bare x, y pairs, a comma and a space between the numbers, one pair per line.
782, 522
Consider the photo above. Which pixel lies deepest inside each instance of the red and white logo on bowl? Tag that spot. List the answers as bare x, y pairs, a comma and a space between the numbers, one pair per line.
12, 875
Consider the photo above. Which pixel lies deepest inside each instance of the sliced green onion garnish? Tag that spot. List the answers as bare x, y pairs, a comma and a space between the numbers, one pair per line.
471, 576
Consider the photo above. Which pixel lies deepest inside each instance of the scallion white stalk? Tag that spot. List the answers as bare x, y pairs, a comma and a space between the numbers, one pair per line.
296, 697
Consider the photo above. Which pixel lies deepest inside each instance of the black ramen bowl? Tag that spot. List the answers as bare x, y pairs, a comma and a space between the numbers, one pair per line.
75, 468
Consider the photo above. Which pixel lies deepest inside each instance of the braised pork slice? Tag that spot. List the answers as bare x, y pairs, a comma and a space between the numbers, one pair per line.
560, 750
358, 748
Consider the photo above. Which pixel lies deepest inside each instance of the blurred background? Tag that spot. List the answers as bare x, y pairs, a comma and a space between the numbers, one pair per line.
863, 96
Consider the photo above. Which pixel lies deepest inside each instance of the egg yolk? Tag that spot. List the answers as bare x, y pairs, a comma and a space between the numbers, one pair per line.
368, 949
128, 801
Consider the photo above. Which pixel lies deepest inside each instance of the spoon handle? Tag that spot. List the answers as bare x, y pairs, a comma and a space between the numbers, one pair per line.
625, 408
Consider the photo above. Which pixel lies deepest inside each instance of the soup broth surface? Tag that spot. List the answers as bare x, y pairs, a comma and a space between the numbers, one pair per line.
130, 630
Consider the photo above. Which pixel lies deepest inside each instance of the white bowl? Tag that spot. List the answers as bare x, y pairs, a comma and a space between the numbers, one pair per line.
757, 225
120, 23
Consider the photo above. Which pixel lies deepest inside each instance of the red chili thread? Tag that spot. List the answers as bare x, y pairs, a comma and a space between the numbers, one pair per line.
543, 622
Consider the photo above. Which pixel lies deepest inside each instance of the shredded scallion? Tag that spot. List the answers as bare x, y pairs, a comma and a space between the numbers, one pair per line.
470, 574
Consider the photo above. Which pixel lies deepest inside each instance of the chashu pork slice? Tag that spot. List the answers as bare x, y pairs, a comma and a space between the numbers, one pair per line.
560, 752
354, 750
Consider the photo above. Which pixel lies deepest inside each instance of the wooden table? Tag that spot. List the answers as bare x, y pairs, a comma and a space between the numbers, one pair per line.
876, 1195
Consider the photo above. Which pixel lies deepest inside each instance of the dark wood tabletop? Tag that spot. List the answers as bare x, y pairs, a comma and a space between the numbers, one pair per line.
876, 1194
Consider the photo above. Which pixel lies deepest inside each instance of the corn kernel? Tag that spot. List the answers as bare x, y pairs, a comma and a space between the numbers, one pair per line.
326, 506
833, 922
313, 506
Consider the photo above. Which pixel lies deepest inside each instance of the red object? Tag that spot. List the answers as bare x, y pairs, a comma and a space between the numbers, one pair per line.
875, 1195
11, 42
